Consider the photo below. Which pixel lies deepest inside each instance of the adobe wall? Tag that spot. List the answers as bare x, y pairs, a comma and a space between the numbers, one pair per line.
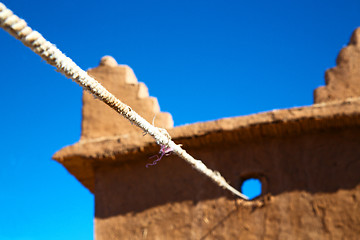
311, 191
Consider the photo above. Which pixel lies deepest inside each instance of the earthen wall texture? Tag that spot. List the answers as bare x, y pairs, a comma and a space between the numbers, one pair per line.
311, 190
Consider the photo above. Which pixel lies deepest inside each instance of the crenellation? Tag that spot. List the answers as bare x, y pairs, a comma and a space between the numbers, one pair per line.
100, 121
343, 80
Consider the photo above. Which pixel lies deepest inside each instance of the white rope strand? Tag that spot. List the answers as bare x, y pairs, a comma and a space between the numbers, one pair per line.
37, 43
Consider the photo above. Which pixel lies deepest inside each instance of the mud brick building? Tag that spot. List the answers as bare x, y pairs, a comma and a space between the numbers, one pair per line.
307, 158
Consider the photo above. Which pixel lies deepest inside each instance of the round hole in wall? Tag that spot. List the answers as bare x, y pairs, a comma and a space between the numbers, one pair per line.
251, 187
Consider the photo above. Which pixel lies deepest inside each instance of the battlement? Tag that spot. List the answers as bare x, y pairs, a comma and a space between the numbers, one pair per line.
342, 81
98, 120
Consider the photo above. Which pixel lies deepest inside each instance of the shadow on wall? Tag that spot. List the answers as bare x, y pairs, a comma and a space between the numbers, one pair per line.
321, 162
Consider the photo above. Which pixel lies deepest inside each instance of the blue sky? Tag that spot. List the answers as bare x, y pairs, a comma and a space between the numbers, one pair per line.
221, 58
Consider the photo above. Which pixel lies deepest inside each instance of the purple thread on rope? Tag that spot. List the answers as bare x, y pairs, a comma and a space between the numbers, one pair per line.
164, 151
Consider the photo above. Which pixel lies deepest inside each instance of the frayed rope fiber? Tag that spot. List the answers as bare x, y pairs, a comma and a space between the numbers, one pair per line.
52, 55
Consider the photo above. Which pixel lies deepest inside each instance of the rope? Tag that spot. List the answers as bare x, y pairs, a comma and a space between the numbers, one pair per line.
52, 55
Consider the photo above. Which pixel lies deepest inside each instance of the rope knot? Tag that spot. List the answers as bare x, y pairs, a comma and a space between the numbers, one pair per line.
165, 133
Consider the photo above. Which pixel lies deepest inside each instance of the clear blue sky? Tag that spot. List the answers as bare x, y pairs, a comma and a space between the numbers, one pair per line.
221, 58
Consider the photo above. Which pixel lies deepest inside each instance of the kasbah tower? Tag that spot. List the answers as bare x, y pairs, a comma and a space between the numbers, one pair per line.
307, 159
